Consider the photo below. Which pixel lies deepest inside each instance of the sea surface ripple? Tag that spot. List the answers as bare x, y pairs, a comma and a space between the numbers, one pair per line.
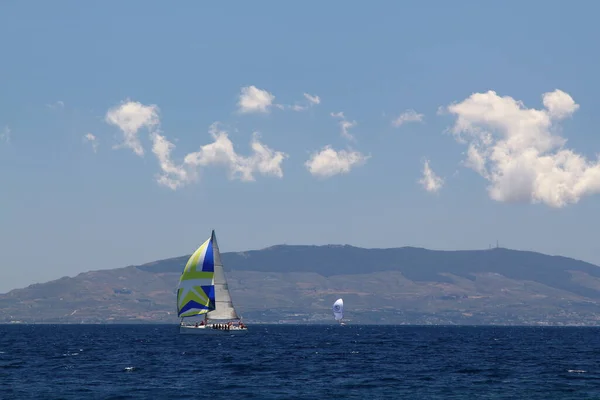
299, 361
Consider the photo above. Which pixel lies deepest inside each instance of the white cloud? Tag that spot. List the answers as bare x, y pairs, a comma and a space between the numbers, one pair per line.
407, 116
519, 151
328, 162
222, 153
430, 181
88, 137
345, 125
255, 100
5, 135
265, 160
559, 104
130, 117
172, 176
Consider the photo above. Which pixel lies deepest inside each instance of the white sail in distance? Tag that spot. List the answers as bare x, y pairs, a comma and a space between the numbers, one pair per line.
338, 309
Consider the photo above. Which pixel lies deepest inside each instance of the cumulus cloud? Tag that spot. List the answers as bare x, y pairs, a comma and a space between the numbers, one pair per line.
345, 125
430, 181
130, 117
221, 152
519, 151
255, 100
328, 162
407, 116
559, 104
88, 137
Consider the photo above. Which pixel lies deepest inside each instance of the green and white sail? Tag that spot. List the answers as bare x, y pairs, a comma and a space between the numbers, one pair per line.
203, 287
196, 290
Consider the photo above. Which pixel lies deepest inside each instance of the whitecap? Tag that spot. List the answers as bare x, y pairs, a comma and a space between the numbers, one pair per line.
576, 371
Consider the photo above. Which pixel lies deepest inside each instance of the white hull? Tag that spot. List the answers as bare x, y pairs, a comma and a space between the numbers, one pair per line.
208, 329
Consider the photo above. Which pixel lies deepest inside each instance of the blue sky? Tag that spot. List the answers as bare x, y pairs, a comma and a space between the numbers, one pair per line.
501, 95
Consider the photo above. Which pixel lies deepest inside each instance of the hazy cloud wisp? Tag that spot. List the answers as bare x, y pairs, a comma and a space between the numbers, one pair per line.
5, 134
90, 138
345, 125
430, 181
408, 116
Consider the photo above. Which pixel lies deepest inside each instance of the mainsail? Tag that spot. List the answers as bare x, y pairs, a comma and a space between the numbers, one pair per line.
338, 309
203, 287
224, 306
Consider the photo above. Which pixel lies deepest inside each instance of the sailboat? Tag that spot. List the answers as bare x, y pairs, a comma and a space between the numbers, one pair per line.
338, 310
203, 290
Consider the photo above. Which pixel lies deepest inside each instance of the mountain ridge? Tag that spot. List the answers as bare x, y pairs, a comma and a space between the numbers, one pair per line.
339, 262
297, 283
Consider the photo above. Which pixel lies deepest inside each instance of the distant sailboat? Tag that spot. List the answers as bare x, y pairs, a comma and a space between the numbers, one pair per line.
203, 290
338, 310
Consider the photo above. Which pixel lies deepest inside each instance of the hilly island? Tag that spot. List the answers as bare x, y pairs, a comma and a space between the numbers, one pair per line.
298, 284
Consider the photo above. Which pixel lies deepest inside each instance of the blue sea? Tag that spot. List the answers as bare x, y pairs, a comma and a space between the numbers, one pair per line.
299, 362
